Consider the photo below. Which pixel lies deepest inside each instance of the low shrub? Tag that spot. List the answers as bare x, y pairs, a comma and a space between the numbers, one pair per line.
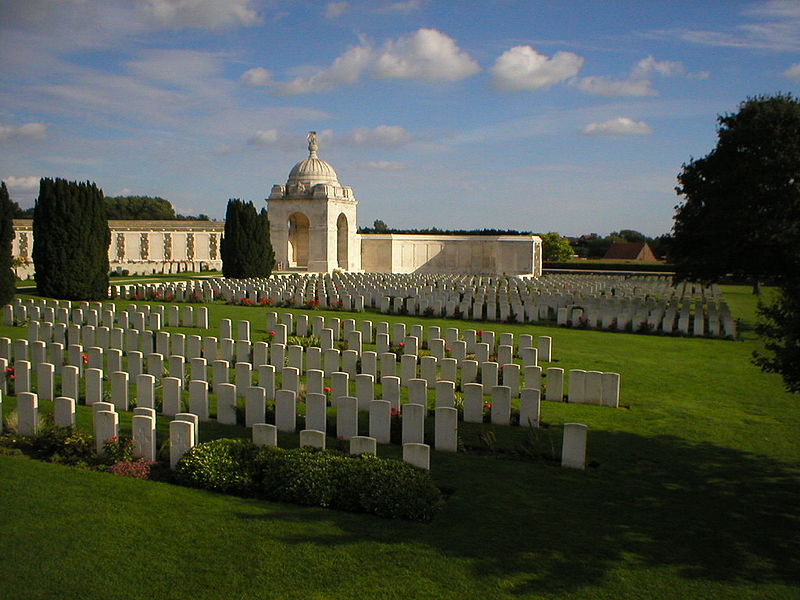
138, 469
222, 465
117, 449
304, 341
64, 445
312, 477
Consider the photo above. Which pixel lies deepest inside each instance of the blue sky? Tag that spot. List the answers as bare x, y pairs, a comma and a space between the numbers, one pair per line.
546, 116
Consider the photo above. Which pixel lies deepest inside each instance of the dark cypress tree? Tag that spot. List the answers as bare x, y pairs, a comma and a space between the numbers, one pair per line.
70, 240
7, 279
245, 248
267, 260
231, 249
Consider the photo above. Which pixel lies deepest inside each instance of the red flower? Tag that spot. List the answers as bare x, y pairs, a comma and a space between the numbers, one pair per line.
327, 390
271, 333
487, 405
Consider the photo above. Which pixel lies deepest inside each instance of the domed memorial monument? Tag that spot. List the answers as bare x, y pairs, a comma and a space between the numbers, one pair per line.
313, 218
313, 228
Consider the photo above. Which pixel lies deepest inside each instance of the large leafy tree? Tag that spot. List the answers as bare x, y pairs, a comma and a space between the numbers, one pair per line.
554, 247
741, 215
70, 240
741, 209
779, 328
7, 278
246, 250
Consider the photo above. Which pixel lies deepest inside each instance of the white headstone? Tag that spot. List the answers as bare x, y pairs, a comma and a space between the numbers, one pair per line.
255, 403
446, 429
226, 403
573, 446
418, 455
265, 434
346, 417
198, 399
181, 439
362, 445
473, 403
286, 410
312, 438
106, 428
316, 412
64, 412
143, 429
413, 417
380, 413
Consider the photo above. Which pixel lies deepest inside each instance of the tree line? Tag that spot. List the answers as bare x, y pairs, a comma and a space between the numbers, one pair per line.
378, 226
130, 208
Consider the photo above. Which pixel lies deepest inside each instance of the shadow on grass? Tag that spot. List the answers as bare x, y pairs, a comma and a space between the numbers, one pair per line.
702, 511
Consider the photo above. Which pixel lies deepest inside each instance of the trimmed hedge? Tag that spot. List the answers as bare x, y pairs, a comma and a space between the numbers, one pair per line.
602, 266
312, 477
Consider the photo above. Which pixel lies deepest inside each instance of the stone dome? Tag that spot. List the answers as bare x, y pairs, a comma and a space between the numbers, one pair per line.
312, 170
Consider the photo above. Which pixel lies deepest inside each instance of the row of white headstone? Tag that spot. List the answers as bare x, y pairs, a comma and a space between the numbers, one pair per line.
96, 314
528, 300
184, 427
313, 361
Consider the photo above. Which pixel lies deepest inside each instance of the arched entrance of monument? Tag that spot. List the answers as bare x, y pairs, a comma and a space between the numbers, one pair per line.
341, 242
298, 241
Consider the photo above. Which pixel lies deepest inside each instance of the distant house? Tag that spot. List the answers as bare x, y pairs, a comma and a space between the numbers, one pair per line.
631, 251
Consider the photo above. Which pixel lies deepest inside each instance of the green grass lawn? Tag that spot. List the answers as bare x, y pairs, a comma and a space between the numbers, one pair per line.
695, 496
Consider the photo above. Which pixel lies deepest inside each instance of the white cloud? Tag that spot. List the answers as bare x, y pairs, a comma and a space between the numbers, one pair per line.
22, 184
649, 65
772, 26
618, 126
382, 135
223, 150
523, 68
793, 73
406, 6
207, 14
384, 165
335, 9
427, 54
256, 77
275, 138
264, 137
187, 69
345, 70
603, 86
638, 82
28, 131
